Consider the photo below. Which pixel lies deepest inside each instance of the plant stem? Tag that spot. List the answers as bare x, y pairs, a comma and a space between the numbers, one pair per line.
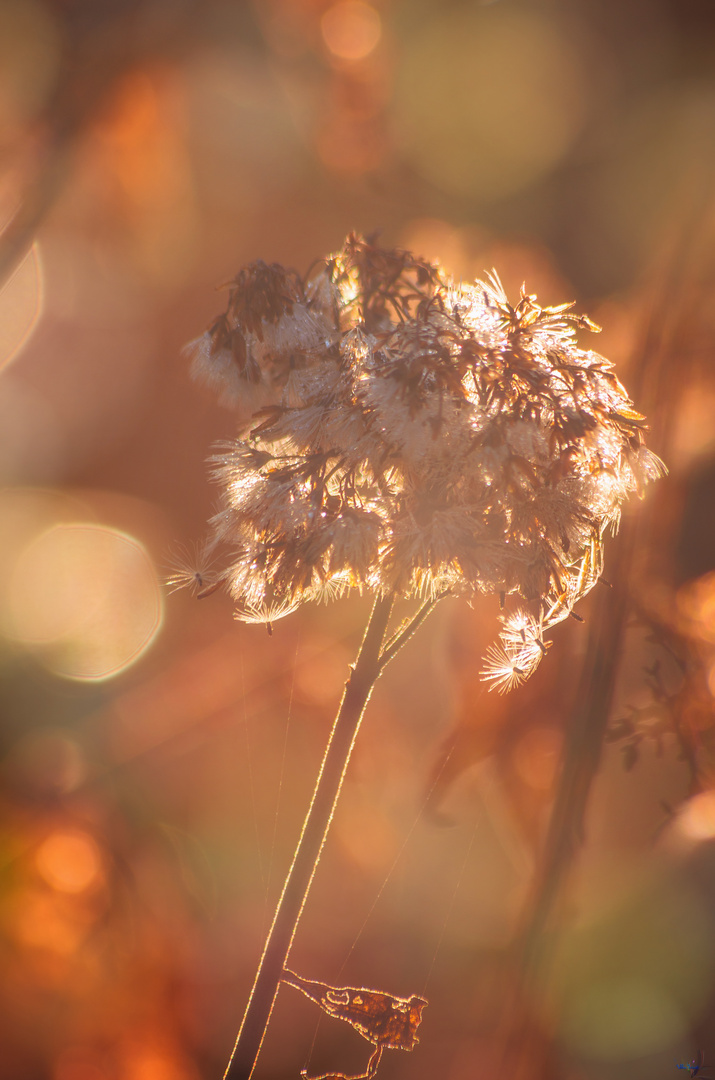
358, 688
582, 753
403, 635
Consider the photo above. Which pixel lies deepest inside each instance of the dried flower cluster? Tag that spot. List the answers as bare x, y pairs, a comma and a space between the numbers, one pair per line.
415, 436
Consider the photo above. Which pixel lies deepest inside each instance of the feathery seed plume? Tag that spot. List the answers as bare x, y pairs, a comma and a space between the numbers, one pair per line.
405, 434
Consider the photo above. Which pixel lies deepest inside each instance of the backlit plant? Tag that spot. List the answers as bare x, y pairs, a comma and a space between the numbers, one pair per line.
411, 437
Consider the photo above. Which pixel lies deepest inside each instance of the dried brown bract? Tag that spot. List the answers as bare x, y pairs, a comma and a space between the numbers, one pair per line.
416, 436
388, 1022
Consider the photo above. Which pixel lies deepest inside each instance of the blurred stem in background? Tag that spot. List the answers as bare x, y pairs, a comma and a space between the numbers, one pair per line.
371, 662
658, 381
100, 44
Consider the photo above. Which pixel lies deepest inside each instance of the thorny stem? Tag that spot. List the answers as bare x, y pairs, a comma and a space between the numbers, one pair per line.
369, 665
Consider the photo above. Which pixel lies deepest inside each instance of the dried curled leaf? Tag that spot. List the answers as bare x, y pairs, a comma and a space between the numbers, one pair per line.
387, 1021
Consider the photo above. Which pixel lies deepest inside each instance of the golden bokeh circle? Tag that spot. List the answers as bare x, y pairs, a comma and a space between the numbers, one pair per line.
86, 597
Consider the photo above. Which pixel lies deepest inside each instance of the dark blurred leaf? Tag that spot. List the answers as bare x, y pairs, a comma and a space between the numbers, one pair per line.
630, 756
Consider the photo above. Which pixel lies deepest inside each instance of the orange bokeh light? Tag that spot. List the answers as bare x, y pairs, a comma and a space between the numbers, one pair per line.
697, 818
696, 603
70, 861
140, 146
42, 922
133, 133
156, 1063
87, 596
351, 29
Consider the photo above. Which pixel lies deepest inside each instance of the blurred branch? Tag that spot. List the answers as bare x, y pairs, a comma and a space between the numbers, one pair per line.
657, 381
100, 43
17, 239
582, 750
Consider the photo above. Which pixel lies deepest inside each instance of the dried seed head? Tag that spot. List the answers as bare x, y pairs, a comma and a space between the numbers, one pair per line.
415, 436
192, 567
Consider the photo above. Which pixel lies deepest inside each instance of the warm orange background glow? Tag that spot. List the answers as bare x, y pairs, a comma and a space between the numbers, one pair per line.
156, 756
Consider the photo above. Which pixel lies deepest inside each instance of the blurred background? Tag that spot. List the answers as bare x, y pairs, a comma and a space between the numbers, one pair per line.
157, 757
